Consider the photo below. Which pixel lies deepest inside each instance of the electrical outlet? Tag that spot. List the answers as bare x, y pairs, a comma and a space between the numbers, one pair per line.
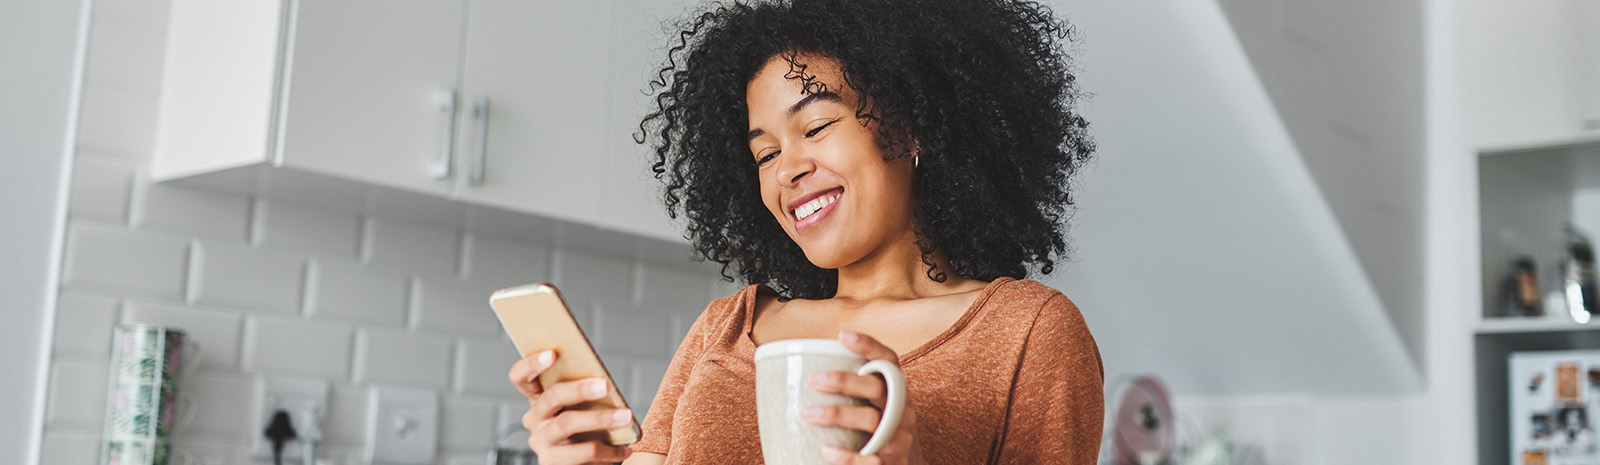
290, 395
402, 426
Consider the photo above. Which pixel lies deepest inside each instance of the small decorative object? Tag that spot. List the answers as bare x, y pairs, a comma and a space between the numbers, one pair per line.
1142, 430
147, 364
1579, 277
1519, 295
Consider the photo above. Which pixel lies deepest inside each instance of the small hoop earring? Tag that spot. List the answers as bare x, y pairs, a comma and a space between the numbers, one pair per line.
915, 162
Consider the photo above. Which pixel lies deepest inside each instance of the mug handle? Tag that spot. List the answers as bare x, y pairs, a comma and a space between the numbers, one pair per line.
185, 414
191, 361
892, 408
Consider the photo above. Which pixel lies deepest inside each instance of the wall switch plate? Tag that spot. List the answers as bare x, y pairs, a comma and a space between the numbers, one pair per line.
290, 395
402, 426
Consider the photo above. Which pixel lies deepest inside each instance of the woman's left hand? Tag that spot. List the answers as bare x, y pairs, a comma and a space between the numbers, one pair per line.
902, 447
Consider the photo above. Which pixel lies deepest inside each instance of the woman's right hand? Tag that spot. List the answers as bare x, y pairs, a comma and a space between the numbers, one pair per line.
550, 425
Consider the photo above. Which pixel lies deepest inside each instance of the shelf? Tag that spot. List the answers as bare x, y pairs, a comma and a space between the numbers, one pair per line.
1562, 141
1541, 324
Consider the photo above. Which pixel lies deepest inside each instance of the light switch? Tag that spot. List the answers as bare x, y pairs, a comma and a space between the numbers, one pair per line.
402, 426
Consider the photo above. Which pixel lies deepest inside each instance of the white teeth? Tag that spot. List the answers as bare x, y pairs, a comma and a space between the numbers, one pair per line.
815, 204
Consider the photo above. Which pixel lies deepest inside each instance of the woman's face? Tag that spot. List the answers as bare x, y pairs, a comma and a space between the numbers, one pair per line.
822, 170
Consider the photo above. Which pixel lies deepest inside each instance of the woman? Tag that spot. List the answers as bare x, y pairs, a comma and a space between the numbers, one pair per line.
886, 173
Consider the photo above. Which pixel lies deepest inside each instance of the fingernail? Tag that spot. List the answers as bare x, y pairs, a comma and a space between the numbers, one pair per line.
597, 389
622, 416
546, 357
849, 337
819, 378
831, 453
813, 413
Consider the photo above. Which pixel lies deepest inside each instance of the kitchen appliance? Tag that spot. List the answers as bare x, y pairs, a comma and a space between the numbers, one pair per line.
1553, 395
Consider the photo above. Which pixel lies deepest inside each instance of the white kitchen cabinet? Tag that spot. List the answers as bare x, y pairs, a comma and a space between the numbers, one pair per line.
364, 89
511, 104
348, 88
541, 67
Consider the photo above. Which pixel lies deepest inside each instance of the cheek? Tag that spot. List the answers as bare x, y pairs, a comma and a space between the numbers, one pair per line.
770, 197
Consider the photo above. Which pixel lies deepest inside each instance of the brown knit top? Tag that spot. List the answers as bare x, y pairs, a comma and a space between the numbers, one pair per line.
1016, 380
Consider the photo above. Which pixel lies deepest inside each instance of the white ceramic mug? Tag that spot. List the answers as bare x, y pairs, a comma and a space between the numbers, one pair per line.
783, 392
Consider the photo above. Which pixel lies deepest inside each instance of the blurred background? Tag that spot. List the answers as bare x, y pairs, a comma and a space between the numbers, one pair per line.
1305, 220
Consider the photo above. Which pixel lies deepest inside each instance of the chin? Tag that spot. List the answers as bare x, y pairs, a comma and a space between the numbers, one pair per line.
824, 256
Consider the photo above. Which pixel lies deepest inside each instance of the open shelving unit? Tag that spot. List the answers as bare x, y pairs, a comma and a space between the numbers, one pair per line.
1527, 191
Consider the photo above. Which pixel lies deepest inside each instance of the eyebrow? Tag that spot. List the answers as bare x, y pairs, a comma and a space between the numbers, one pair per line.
823, 96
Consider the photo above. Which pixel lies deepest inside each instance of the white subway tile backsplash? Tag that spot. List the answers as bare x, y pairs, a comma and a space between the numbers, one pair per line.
238, 276
346, 291
318, 232
78, 395
296, 347
202, 451
395, 357
681, 322
509, 413
670, 288
222, 405
196, 213
100, 189
481, 368
585, 275
449, 305
467, 425
461, 458
722, 288
647, 374
216, 331
69, 448
124, 57
620, 367
506, 263
406, 247
346, 421
120, 261
621, 328
83, 326
117, 123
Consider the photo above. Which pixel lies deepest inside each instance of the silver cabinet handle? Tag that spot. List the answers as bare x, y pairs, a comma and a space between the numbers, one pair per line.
442, 166
480, 112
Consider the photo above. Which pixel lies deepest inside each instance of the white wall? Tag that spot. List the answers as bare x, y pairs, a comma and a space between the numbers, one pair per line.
40, 44
280, 289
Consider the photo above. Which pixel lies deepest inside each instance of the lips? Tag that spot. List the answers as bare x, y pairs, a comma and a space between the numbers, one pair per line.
812, 208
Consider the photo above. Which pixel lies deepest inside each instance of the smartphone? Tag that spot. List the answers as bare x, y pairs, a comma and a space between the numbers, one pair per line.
538, 319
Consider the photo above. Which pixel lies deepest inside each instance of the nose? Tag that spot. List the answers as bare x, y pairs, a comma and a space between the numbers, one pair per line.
793, 165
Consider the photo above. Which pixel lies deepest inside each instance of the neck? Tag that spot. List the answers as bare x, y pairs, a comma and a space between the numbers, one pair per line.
896, 272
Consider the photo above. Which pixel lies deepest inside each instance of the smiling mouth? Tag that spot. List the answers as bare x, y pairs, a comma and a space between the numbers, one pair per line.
812, 211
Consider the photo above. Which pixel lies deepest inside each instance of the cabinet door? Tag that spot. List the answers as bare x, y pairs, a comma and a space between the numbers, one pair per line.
632, 197
364, 86
541, 67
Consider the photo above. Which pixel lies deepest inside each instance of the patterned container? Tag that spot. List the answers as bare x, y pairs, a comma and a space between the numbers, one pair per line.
146, 366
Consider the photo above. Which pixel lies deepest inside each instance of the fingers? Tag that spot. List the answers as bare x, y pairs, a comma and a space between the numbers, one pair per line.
867, 346
856, 417
573, 422
567, 394
845, 383
525, 373
585, 452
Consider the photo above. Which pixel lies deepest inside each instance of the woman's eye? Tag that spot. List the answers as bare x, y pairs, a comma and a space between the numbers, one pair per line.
814, 132
766, 158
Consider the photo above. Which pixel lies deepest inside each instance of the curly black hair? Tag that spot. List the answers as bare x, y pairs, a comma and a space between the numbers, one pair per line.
984, 89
